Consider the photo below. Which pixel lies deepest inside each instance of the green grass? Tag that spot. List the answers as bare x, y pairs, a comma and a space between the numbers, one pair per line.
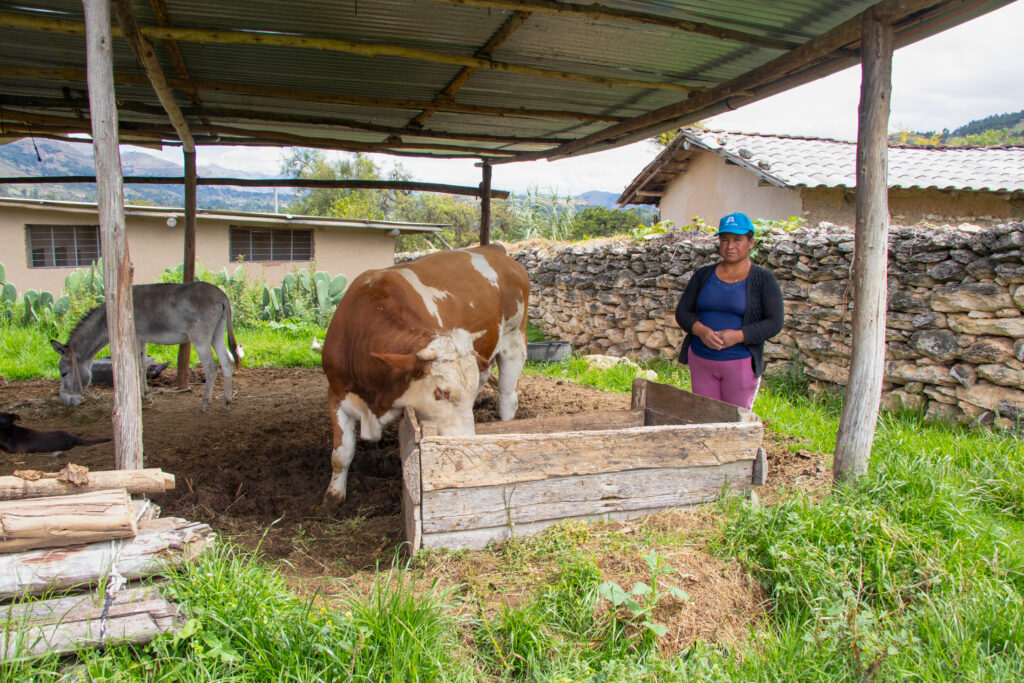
244, 625
915, 572
25, 352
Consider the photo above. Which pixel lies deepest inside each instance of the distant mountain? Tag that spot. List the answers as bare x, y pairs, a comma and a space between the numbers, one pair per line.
597, 198
47, 157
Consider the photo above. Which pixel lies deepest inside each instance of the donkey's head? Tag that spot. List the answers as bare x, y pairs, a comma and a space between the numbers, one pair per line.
75, 373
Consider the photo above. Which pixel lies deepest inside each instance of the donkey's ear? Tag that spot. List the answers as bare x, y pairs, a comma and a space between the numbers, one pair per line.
58, 347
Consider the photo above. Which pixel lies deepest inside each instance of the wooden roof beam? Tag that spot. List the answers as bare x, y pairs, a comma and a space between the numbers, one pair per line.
487, 51
841, 37
147, 58
231, 135
52, 103
401, 185
598, 11
177, 59
78, 75
200, 35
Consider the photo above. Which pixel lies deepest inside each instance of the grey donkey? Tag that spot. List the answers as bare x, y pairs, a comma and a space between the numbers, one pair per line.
195, 312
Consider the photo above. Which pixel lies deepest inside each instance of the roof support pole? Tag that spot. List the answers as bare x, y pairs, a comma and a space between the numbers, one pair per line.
117, 270
147, 58
189, 261
871, 253
485, 204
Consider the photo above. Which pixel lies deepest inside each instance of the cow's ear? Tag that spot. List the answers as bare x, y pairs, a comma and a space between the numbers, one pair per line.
402, 362
482, 363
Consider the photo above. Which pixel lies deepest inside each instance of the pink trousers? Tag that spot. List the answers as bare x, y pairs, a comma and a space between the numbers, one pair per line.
732, 381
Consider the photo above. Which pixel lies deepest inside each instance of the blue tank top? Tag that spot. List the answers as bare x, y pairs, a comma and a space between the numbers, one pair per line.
720, 306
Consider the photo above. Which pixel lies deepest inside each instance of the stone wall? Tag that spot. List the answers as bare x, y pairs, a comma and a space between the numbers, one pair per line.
955, 339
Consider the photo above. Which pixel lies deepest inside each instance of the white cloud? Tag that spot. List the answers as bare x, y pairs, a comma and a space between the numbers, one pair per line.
968, 72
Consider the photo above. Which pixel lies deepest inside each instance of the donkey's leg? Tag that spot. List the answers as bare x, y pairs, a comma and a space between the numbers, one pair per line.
142, 366
205, 353
227, 365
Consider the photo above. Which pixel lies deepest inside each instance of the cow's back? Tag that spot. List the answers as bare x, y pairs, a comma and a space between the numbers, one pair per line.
401, 308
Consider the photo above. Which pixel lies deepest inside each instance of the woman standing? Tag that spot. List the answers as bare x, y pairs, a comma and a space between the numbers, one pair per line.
728, 310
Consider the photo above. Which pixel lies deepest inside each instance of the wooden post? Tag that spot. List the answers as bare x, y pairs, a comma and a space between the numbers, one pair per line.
117, 267
870, 261
485, 205
189, 262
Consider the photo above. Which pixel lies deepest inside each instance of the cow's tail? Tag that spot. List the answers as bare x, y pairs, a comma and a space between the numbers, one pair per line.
235, 349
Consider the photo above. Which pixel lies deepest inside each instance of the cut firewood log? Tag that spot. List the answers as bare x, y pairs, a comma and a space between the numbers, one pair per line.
62, 625
65, 520
159, 544
75, 479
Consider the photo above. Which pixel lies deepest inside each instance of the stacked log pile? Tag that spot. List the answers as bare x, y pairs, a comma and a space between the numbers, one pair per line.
76, 530
955, 335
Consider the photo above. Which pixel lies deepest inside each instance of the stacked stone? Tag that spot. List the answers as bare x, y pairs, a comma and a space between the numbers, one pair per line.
955, 337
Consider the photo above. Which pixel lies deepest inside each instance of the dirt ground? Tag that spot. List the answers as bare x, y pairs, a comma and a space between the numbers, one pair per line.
256, 473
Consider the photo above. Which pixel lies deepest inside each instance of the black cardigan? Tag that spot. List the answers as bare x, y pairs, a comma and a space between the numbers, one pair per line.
762, 318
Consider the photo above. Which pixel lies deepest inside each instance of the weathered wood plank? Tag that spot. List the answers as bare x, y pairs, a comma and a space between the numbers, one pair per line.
408, 440
63, 520
599, 419
760, 473
485, 460
667, 405
478, 538
64, 624
42, 484
591, 494
140, 626
159, 544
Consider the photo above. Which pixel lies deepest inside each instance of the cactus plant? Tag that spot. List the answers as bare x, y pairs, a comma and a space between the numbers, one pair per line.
62, 305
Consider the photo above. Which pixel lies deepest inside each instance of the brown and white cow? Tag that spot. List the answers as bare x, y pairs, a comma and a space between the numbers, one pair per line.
423, 334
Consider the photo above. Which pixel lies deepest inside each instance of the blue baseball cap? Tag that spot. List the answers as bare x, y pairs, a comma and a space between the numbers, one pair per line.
736, 223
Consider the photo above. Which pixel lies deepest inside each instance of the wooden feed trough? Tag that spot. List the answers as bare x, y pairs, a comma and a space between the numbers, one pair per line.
671, 449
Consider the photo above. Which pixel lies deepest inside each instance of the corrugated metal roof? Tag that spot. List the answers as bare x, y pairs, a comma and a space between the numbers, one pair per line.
793, 161
500, 79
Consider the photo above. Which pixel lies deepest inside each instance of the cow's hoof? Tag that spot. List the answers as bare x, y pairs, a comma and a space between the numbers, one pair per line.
330, 503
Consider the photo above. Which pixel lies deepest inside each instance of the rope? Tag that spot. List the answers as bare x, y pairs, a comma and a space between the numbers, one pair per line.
115, 582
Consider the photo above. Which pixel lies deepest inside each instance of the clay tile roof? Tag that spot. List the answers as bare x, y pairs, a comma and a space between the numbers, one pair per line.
792, 161
820, 162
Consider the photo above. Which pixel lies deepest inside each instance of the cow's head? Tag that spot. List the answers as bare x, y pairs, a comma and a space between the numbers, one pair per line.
75, 374
443, 380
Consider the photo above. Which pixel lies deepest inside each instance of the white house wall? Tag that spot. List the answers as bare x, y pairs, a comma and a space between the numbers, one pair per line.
711, 188
153, 247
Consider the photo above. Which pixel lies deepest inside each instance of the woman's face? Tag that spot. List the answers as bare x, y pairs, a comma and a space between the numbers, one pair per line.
735, 248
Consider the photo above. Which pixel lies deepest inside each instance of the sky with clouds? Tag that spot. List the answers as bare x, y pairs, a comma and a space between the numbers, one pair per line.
966, 73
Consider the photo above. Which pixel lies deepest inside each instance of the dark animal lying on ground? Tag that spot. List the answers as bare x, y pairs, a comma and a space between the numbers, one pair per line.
103, 373
15, 439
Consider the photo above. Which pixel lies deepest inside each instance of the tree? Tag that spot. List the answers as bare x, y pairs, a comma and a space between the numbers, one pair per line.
343, 203
597, 221
461, 217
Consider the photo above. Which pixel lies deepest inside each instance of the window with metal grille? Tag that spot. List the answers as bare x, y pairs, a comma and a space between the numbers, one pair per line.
62, 246
252, 244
